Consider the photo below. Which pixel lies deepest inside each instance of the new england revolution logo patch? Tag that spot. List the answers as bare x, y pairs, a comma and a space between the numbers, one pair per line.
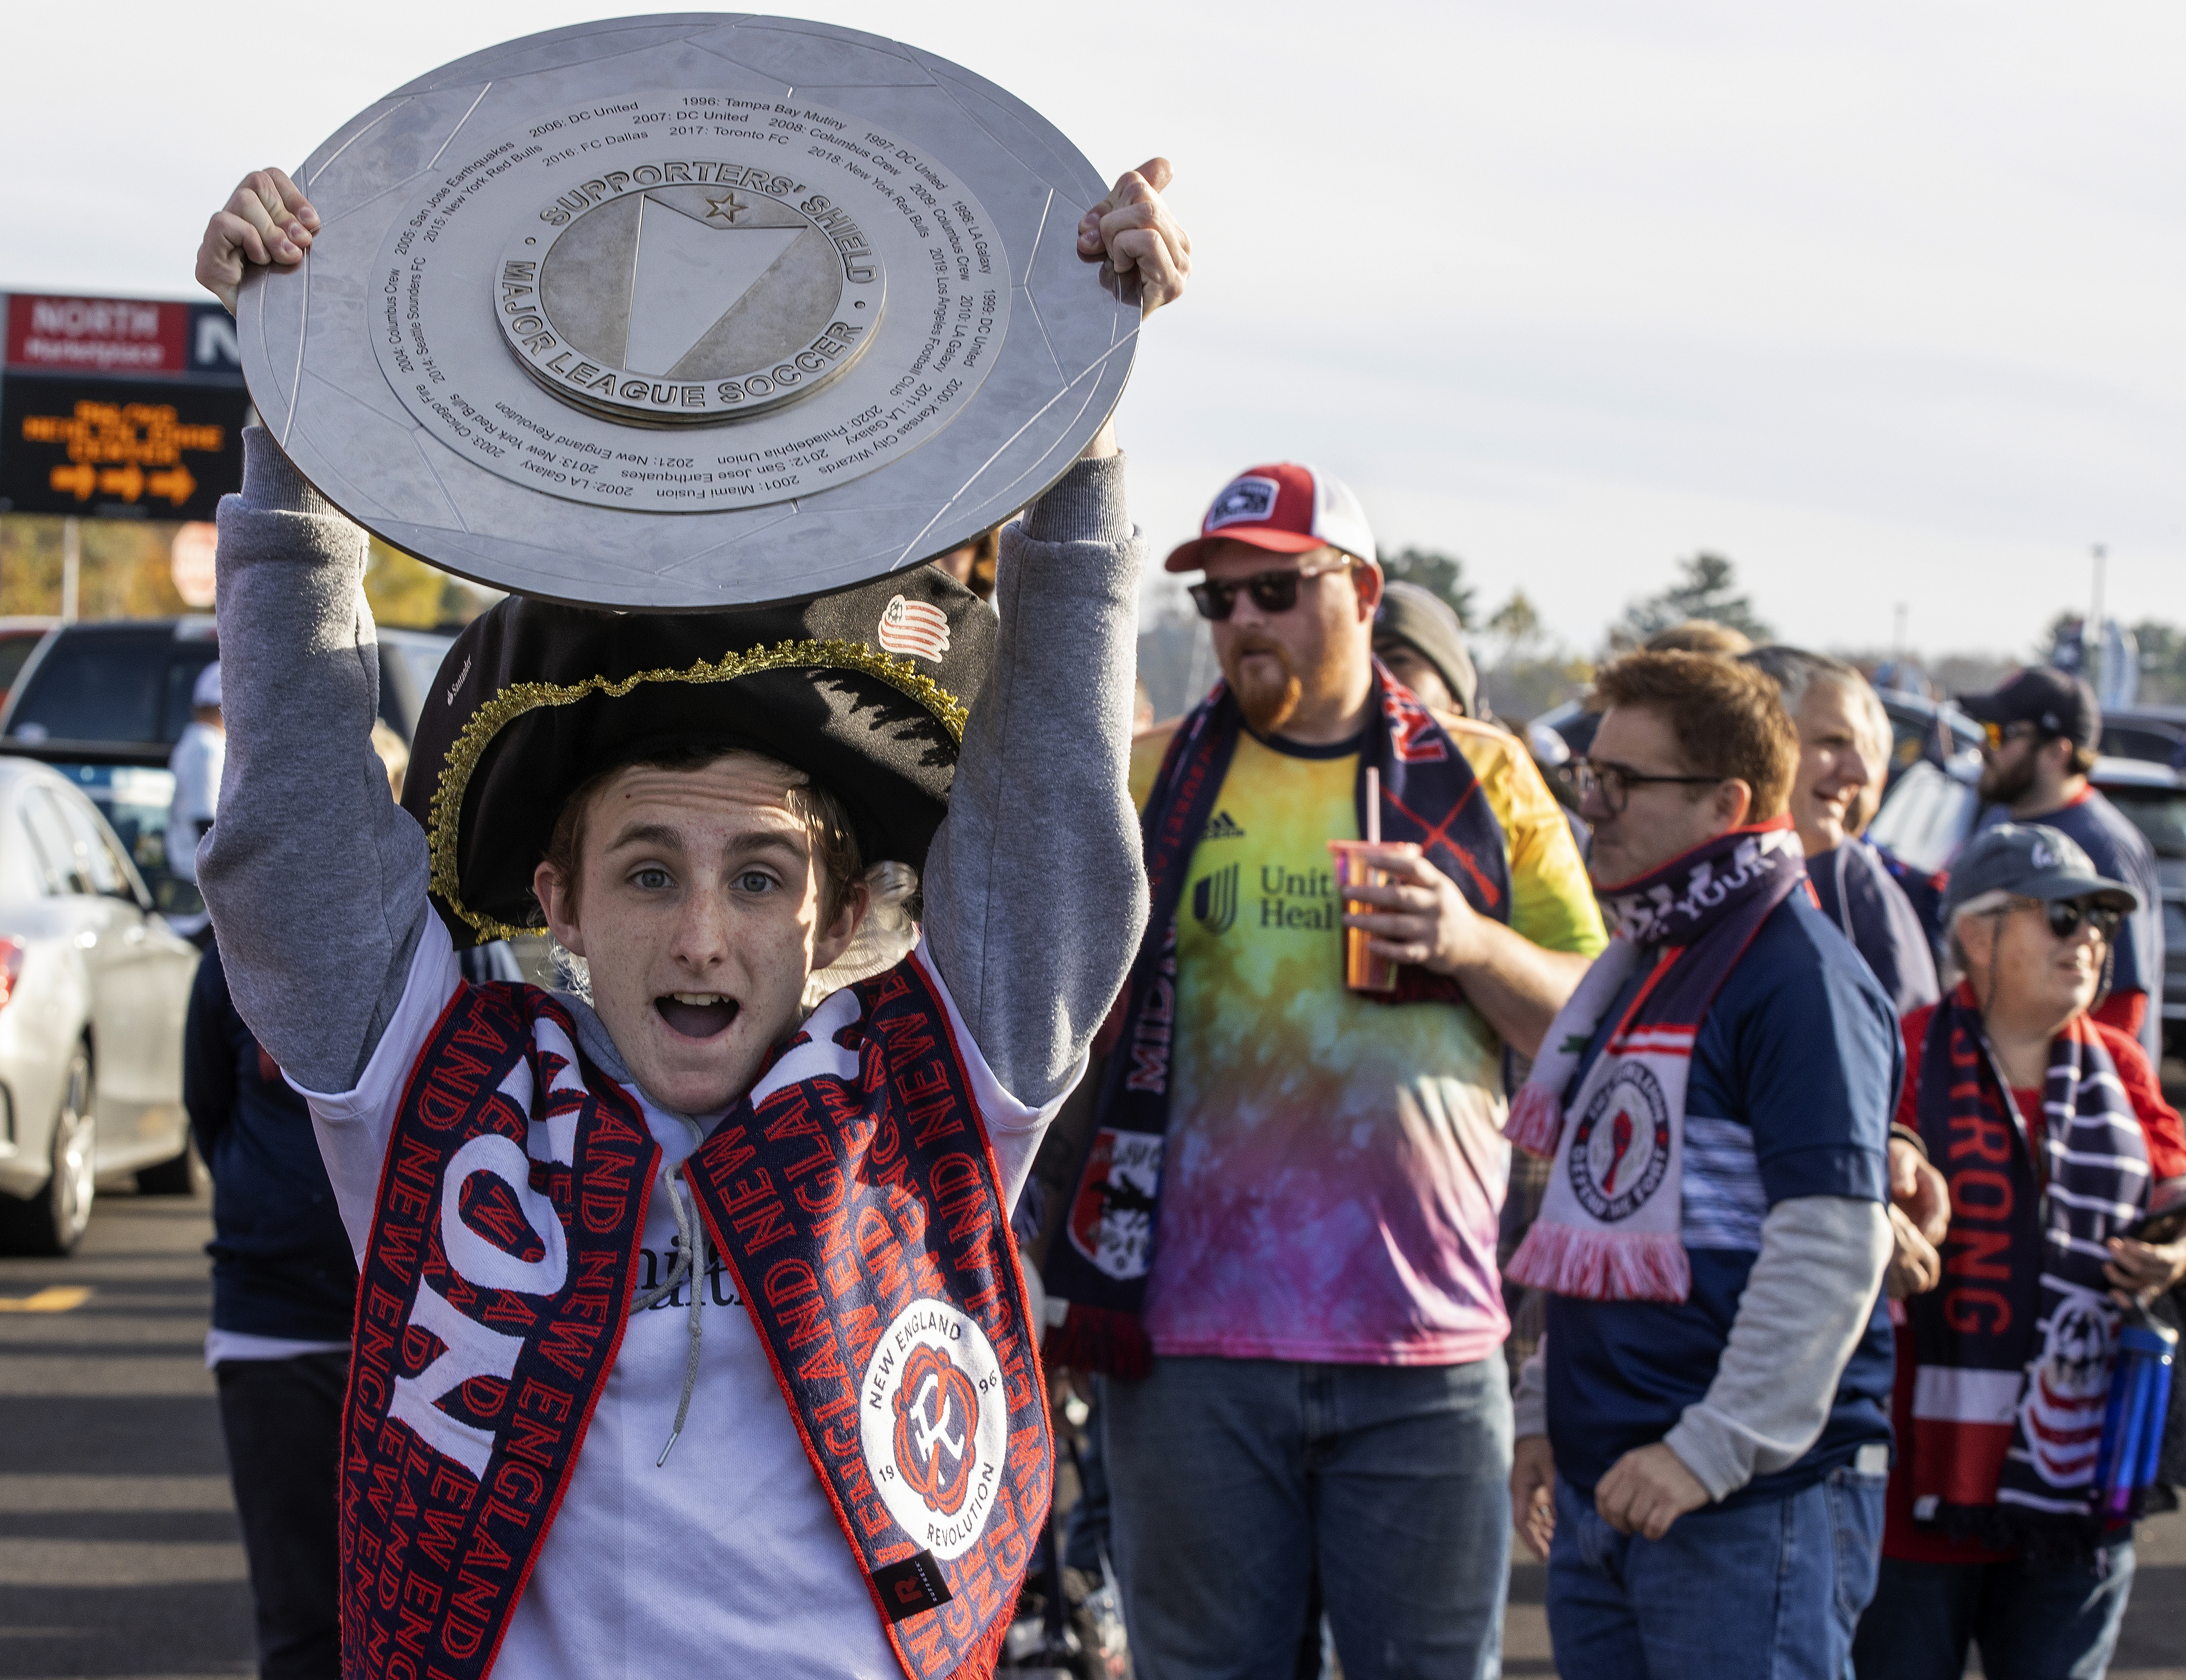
934, 1425
1620, 1149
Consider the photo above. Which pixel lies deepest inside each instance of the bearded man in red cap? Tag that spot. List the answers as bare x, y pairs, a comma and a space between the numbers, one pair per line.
1281, 1249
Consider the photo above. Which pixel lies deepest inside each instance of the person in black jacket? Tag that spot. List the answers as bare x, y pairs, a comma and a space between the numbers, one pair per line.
284, 1296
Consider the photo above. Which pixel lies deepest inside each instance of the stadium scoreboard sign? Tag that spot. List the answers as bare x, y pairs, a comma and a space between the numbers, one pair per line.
120, 407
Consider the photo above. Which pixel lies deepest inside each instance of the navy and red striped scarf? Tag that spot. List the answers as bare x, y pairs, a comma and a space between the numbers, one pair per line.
854, 1201
1430, 797
2011, 1355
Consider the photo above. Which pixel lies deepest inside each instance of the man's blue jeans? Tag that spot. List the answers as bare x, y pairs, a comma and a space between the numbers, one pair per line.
1233, 1481
2033, 1621
1767, 1591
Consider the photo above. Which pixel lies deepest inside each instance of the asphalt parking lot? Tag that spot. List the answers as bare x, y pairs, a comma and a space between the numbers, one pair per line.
119, 1551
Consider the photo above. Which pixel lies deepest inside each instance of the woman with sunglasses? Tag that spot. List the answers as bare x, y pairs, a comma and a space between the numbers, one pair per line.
2049, 1126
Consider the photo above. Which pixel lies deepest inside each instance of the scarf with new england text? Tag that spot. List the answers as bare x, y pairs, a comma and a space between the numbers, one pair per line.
2012, 1353
1096, 1275
1609, 1227
852, 1196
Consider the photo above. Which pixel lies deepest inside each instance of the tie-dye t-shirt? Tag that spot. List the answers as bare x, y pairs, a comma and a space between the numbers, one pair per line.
1335, 1167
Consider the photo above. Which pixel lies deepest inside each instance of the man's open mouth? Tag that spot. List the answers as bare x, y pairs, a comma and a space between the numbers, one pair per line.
697, 1014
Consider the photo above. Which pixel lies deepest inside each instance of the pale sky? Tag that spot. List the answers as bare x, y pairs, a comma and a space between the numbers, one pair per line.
1886, 301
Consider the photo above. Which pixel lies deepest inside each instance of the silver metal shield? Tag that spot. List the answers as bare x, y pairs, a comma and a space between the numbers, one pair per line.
689, 311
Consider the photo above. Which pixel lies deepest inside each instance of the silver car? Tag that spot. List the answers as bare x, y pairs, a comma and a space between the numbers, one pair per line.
93, 990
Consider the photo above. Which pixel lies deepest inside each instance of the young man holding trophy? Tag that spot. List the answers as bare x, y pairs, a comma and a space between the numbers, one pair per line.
690, 1329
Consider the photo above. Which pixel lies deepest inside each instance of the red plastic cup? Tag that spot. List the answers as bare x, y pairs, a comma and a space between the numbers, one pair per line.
1363, 971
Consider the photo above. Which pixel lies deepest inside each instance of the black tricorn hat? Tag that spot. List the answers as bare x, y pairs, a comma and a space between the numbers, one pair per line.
867, 690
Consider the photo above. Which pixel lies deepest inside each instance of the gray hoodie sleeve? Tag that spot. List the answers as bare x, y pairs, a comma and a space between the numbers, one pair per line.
1806, 1305
1035, 889
315, 879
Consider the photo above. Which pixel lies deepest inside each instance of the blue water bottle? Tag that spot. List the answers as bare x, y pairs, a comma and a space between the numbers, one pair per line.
2132, 1422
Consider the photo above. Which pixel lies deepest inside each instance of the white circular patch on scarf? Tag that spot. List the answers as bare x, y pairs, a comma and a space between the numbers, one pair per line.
934, 1425
1622, 1148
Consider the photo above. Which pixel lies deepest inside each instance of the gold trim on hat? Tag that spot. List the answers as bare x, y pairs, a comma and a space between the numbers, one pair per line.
443, 820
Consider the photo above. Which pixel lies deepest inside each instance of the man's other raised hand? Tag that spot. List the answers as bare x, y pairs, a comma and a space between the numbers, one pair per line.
1135, 240
267, 222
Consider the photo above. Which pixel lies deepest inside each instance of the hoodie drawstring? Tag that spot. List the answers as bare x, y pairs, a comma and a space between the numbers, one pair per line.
690, 1263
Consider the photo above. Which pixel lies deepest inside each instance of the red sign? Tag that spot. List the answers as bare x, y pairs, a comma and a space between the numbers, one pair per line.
97, 335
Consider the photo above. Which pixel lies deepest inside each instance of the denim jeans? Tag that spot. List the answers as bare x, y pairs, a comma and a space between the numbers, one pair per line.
281, 1419
2033, 1621
1767, 1591
1233, 1482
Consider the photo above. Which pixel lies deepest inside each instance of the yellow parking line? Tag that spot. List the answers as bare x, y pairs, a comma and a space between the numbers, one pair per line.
55, 1298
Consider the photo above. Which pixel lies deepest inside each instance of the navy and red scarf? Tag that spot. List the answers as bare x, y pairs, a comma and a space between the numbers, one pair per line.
854, 1201
2010, 1356
1430, 798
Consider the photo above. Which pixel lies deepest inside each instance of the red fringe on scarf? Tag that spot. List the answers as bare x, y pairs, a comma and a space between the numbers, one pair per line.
1536, 1122
1603, 1265
1099, 1339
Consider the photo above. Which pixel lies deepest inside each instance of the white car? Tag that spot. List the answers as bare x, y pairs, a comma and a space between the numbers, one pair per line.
93, 990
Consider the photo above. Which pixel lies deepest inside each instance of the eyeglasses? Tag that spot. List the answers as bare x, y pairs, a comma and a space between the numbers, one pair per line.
1997, 734
1271, 592
1614, 783
2066, 915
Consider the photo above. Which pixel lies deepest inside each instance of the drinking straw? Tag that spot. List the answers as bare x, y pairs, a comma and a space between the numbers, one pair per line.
1373, 806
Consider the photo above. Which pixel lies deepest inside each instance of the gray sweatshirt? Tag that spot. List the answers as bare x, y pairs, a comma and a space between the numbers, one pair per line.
1035, 894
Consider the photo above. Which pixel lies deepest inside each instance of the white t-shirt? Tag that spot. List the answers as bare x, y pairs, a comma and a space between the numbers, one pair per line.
731, 1553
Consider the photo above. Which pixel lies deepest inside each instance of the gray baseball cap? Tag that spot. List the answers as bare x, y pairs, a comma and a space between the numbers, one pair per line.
2035, 862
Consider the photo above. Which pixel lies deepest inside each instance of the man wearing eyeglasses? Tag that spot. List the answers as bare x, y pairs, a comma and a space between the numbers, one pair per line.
1704, 1432
2054, 1138
1282, 1246
2042, 726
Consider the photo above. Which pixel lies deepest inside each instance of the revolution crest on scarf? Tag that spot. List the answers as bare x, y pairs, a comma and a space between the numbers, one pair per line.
2012, 1354
1609, 1228
853, 1199
1096, 1275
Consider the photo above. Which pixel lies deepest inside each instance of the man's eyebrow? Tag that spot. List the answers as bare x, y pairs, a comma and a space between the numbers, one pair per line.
669, 839
647, 834
791, 840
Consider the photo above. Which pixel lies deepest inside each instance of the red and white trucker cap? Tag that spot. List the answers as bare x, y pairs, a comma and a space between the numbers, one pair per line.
1286, 508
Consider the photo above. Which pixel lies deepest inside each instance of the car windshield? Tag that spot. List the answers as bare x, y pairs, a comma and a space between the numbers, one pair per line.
109, 687
2160, 813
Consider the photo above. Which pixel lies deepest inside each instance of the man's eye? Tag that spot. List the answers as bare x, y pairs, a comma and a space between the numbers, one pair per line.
651, 880
754, 881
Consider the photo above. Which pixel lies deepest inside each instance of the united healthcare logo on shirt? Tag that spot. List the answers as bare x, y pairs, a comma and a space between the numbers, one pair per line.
1214, 900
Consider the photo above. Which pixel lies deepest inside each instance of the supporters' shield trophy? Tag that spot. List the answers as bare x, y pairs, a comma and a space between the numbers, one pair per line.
689, 311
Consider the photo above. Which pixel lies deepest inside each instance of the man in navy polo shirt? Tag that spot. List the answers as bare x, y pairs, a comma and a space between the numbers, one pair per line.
1704, 1435
2043, 725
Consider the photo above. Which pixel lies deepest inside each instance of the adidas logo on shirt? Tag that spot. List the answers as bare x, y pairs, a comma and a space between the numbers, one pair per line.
1222, 826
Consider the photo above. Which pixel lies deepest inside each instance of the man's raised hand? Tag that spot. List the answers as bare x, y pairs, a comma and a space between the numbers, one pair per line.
1133, 237
267, 220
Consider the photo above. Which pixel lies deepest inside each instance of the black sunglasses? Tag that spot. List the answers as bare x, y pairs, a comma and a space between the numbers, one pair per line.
1271, 592
2065, 916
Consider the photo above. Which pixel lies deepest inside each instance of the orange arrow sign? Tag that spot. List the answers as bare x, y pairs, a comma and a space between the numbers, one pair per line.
79, 481
175, 483
126, 482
